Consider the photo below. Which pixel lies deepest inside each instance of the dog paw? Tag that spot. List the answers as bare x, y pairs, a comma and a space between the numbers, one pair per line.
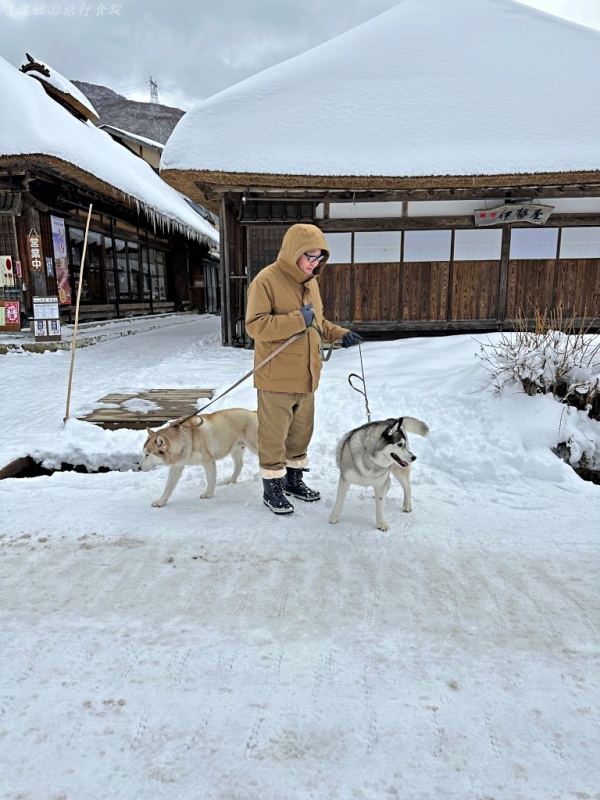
407, 508
158, 503
206, 495
383, 526
333, 519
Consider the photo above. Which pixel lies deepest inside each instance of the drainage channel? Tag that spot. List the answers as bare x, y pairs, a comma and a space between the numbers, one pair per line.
27, 467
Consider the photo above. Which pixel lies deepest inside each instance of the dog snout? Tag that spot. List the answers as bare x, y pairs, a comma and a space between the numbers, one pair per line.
412, 458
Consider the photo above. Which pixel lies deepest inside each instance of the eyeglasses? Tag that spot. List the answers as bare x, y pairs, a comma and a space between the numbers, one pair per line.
313, 259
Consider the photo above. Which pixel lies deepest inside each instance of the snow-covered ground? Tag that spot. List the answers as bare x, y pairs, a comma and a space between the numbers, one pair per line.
209, 650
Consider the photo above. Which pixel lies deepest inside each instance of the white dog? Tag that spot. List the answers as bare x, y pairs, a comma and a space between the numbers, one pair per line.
201, 440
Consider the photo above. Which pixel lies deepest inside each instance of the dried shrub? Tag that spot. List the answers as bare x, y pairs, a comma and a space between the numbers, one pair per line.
555, 355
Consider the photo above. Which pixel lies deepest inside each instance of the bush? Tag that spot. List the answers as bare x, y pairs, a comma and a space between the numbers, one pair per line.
554, 356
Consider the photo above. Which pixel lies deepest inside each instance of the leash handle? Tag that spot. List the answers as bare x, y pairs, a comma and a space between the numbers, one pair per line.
241, 380
362, 391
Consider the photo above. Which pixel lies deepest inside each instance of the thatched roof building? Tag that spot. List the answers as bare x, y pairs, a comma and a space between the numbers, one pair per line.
479, 101
147, 242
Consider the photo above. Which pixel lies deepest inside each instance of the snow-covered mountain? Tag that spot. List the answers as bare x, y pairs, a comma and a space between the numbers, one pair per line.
146, 119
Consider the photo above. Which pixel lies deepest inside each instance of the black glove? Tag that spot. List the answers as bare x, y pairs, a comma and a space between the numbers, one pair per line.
308, 313
349, 339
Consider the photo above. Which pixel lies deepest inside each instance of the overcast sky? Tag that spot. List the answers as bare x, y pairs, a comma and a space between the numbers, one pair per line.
191, 48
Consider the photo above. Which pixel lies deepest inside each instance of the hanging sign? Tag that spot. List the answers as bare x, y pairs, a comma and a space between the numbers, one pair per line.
61, 269
513, 212
7, 275
35, 251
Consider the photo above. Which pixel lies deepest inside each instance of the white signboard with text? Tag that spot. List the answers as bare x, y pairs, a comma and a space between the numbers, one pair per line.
513, 212
46, 319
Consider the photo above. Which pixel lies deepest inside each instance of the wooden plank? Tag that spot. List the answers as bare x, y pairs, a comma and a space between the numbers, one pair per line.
131, 426
578, 287
530, 283
190, 392
336, 291
154, 395
116, 414
475, 290
169, 404
12, 469
425, 291
376, 291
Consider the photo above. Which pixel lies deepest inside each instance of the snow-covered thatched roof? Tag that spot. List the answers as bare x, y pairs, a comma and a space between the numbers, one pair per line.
120, 133
429, 88
59, 87
39, 133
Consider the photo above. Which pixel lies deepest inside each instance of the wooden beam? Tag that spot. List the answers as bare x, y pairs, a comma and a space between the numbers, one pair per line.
527, 191
437, 223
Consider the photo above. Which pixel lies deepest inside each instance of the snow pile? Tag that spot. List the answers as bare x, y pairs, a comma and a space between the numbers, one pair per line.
209, 649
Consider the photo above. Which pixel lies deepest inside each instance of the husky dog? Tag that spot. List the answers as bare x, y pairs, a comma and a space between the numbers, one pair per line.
201, 440
369, 455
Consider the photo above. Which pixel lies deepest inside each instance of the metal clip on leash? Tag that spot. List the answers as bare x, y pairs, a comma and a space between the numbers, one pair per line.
362, 391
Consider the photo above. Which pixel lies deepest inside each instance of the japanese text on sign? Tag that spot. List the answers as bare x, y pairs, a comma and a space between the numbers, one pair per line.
524, 212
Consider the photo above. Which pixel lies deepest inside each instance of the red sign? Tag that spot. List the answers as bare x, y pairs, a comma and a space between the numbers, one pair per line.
11, 310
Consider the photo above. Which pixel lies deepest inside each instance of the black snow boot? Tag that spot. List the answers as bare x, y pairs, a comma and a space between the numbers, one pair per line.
274, 497
295, 486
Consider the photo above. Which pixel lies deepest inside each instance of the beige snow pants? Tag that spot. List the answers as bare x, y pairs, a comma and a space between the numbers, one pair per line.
285, 428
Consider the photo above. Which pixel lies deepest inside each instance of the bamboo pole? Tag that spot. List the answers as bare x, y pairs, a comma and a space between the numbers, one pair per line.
74, 339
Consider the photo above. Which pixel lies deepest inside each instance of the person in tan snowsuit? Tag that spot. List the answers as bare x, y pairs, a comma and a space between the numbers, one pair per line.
284, 299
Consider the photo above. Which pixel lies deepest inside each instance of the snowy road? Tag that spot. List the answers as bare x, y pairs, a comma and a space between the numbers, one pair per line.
211, 651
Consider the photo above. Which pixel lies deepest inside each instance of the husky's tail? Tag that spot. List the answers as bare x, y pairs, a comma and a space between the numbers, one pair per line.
413, 425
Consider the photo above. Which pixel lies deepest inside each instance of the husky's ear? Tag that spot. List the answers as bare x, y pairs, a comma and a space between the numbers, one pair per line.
162, 442
393, 427
149, 431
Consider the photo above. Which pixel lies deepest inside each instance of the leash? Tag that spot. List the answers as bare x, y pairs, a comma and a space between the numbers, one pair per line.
241, 380
324, 356
362, 391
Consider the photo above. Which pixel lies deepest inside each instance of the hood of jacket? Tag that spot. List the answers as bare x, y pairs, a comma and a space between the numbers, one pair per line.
297, 240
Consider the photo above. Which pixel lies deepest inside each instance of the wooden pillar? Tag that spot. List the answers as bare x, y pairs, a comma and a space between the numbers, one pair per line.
224, 262
504, 263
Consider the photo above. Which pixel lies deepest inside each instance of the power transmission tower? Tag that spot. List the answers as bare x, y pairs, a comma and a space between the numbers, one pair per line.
153, 91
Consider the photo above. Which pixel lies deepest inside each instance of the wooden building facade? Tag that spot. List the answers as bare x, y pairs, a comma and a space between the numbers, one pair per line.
147, 245
130, 268
414, 260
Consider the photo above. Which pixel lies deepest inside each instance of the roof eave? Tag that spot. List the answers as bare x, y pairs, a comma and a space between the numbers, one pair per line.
208, 186
64, 170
